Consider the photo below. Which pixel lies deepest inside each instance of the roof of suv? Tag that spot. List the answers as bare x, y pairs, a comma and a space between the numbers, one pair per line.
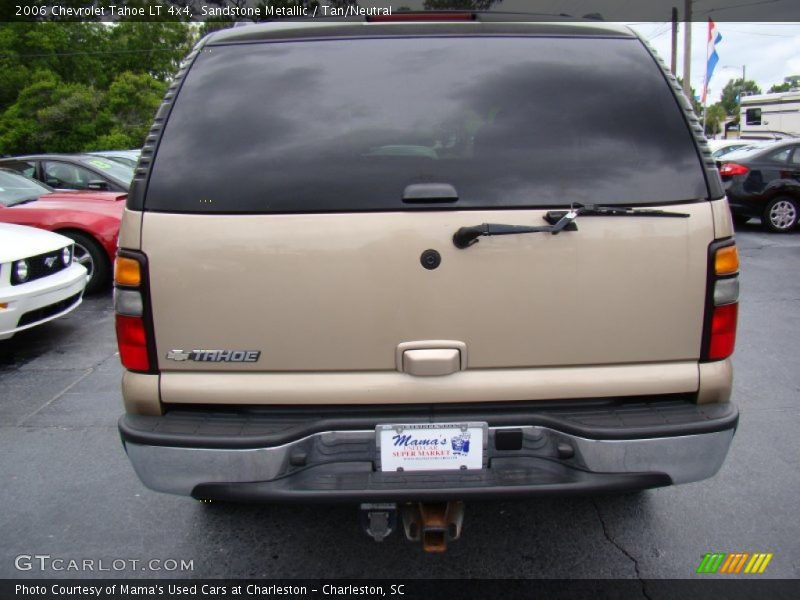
499, 24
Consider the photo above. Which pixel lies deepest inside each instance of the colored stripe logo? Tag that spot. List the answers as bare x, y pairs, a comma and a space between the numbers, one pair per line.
734, 563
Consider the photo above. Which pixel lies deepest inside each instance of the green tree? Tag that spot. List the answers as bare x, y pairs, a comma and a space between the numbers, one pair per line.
128, 110
715, 117
14, 75
50, 115
779, 87
74, 51
793, 80
732, 92
63, 48
789, 83
147, 47
71, 86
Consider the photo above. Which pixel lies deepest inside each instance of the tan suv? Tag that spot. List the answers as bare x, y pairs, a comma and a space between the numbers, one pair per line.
390, 261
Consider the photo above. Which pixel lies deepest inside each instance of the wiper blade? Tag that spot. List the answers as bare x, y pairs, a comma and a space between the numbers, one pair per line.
595, 210
558, 221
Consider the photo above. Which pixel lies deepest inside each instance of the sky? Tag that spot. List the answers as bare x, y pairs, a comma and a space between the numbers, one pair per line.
769, 52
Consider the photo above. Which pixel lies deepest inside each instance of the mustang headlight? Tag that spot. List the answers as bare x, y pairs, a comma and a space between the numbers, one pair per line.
66, 256
21, 271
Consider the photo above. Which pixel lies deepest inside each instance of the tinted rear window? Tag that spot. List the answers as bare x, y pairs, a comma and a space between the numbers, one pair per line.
341, 125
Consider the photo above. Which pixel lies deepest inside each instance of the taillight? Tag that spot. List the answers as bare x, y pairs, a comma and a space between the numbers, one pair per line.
132, 341
731, 169
134, 335
723, 331
719, 337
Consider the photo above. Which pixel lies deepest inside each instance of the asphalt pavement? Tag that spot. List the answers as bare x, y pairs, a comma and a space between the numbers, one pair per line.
68, 492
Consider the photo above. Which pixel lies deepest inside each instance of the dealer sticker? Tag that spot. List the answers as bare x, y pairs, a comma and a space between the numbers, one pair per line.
431, 447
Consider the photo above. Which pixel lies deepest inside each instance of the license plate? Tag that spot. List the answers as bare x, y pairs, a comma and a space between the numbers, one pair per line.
431, 446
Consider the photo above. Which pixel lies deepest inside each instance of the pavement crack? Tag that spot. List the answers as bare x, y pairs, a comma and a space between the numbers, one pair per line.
56, 397
113, 356
619, 547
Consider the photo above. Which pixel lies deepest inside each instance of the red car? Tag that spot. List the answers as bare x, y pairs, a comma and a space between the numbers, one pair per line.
90, 219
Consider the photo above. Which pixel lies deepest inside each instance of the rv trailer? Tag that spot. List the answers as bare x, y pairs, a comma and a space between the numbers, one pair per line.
770, 116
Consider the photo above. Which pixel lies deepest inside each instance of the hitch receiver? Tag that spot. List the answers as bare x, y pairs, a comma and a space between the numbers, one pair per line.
435, 523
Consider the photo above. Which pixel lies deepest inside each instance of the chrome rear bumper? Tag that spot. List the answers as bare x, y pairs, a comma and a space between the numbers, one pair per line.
342, 465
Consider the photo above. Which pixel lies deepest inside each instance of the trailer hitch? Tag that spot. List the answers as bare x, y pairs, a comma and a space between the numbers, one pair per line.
435, 523
432, 523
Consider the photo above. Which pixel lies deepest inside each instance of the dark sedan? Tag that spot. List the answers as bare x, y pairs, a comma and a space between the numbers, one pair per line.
73, 171
764, 183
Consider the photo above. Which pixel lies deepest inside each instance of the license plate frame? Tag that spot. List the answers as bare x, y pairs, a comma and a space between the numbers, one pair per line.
431, 446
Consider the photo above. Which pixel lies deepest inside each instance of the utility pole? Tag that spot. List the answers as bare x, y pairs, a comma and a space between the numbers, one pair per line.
741, 96
673, 63
687, 49
740, 93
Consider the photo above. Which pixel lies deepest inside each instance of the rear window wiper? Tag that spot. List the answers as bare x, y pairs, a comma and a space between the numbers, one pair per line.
559, 220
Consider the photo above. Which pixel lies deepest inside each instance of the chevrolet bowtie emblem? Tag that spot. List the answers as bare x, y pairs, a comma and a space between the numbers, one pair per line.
178, 355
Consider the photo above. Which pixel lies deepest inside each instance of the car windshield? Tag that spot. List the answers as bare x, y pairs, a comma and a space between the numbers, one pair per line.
111, 168
15, 189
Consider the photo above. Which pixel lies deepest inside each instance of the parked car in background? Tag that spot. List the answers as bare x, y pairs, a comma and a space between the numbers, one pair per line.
90, 219
39, 281
764, 183
720, 148
125, 157
73, 171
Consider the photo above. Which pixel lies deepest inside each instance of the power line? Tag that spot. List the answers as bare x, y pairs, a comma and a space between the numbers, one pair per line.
664, 30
